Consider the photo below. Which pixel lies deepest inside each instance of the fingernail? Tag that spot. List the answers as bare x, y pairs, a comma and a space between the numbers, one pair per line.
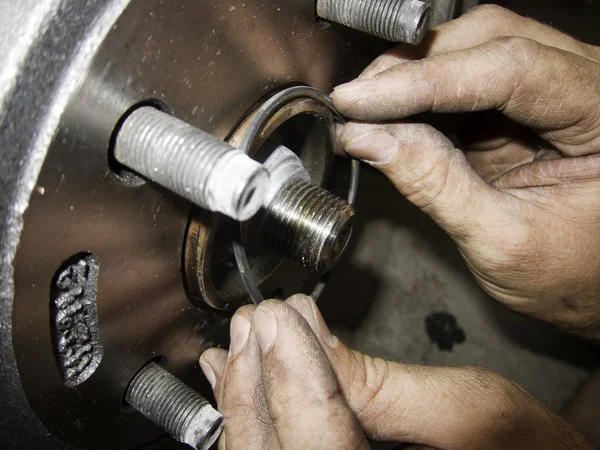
377, 147
322, 326
265, 328
240, 330
209, 373
350, 87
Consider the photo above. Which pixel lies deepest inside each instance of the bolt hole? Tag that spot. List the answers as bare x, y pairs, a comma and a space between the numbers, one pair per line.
214, 433
423, 21
322, 23
341, 241
118, 170
249, 197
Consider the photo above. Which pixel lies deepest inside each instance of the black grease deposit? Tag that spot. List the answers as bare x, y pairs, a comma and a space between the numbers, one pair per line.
442, 329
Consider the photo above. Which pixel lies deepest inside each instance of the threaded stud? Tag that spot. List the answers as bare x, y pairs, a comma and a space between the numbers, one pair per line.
182, 412
309, 224
192, 163
394, 20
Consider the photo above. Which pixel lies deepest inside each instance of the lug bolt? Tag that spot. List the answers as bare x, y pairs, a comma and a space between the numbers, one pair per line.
394, 20
309, 224
194, 164
182, 412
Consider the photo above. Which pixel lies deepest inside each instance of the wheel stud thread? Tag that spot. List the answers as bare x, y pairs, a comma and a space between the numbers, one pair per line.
394, 20
309, 224
195, 165
182, 412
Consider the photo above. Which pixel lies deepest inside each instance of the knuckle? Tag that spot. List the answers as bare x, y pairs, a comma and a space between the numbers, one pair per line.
521, 52
369, 386
502, 252
246, 310
430, 182
495, 399
490, 10
272, 305
485, 380
380, 64
498, 20
425, 172
515, 246
299, 297
355, 104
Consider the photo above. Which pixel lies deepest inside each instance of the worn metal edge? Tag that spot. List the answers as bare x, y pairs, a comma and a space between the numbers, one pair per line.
46, 52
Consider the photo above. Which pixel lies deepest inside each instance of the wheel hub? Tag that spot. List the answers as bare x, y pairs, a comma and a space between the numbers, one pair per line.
210, 63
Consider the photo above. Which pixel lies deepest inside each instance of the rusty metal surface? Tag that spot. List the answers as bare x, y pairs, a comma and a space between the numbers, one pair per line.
210, 62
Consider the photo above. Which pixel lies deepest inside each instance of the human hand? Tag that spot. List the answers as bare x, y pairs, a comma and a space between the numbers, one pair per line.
288, 383
523, 201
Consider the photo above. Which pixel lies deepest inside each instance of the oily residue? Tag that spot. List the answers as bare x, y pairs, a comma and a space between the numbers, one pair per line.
443, 330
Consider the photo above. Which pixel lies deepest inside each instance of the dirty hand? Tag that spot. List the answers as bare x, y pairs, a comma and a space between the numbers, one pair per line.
288, 383
523, 201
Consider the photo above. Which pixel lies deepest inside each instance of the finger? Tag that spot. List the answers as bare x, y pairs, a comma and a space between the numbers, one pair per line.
491, 164
437, 407
240, 390
212, 363
552, 172
302, 393
391, 58
503, 74
426, 168
479, 25
492, 227
308, 309
338, 146
495, 144
487, 22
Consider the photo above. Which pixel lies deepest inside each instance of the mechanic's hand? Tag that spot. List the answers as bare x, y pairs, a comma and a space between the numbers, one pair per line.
288, 383
523, 201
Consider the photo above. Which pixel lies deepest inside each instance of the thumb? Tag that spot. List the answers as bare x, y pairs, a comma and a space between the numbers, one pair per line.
438, 407
425, 167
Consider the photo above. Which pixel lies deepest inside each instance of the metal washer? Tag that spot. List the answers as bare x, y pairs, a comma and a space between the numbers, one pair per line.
254, 129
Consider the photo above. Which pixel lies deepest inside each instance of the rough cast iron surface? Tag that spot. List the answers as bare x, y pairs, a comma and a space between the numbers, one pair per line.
76, 333
38, 41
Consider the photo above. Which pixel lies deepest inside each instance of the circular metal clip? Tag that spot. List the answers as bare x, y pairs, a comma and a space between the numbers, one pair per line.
262, 116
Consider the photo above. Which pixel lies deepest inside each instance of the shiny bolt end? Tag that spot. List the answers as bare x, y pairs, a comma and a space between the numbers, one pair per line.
182, 412
310, 225
204, 430
238, 186
416, 22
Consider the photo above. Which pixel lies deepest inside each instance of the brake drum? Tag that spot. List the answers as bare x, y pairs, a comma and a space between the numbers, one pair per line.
75, 221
